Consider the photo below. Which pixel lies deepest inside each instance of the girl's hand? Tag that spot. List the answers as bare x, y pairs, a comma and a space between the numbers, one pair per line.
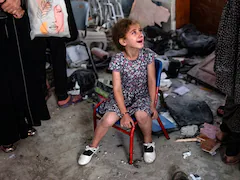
127, 121
155, 113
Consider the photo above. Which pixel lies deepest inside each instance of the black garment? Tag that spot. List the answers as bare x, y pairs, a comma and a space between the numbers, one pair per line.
58, 55
232, 142
231, 113
22, 101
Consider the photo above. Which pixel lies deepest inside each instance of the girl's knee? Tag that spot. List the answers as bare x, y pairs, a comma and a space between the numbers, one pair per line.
109, 119
142, 117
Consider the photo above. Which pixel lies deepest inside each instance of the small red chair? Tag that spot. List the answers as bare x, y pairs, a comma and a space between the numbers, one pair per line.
158, 67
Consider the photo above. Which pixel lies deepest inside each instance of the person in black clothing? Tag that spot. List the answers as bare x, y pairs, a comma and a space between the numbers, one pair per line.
57, 47
227, 69
22, 103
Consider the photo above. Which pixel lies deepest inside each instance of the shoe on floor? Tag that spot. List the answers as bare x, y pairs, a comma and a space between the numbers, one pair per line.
149, 152
8, 148
179, 175
86, 156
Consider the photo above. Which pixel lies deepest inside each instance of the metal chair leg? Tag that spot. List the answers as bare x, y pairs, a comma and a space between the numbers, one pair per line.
131, 145
163, 128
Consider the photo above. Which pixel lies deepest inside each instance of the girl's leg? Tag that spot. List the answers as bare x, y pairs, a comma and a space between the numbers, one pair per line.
145, 124
108, 120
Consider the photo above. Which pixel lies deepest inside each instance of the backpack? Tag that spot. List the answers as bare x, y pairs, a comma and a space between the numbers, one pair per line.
85, 78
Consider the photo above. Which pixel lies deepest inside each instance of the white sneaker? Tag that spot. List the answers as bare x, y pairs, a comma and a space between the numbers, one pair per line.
86, 156
149, 152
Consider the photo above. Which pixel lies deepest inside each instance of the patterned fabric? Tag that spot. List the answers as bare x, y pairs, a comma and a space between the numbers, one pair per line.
227, 62
134, 83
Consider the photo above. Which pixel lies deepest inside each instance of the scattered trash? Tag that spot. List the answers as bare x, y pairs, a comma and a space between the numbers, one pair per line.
12, 156
165, 95
136, 163
209, 130
207, 144
85, 97
181, 90
195, 177
140, 12
163, 75
100, 53
76, 90
105, 152
187, 111
76, 55
166, 123
101, 92
186, 154
165, 84
189, 131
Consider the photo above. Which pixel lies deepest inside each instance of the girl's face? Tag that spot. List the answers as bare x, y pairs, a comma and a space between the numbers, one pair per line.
134, 37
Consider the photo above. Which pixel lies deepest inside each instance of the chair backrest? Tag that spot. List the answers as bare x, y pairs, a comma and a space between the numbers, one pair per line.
158, 67
81, 13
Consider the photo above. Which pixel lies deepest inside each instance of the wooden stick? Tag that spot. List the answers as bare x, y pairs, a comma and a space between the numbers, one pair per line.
188, 140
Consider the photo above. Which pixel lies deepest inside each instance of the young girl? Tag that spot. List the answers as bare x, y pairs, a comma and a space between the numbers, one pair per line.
134, 82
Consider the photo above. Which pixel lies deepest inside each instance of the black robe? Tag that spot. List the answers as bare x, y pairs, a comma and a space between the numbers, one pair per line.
22, 102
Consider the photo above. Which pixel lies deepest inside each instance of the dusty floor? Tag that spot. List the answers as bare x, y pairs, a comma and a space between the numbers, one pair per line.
52, 154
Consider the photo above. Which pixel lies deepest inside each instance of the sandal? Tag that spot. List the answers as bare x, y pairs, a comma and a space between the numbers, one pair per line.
32, 131
69, 101
220, 111
232, 162
8, 148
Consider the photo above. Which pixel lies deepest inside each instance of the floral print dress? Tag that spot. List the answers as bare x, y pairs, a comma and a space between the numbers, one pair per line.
134, 83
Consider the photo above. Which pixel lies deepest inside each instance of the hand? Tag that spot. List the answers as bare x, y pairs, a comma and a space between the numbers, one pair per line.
13, 7
155, 113
127, 121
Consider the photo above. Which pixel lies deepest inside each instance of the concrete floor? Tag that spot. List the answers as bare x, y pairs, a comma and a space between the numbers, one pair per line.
52, 154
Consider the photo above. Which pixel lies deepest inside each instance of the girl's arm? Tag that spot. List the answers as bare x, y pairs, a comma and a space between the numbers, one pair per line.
117, 90
126, 120
152, 87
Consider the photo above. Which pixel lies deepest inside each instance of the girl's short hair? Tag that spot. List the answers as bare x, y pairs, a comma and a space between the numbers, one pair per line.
120, 30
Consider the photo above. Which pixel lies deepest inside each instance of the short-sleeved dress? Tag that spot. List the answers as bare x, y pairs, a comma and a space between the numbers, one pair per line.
134, 83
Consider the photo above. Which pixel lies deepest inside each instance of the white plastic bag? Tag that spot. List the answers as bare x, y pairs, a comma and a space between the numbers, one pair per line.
48, 18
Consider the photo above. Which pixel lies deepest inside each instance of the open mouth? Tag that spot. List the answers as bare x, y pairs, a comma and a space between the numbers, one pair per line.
140, 41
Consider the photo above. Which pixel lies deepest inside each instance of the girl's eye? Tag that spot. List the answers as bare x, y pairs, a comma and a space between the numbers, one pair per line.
134, 32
